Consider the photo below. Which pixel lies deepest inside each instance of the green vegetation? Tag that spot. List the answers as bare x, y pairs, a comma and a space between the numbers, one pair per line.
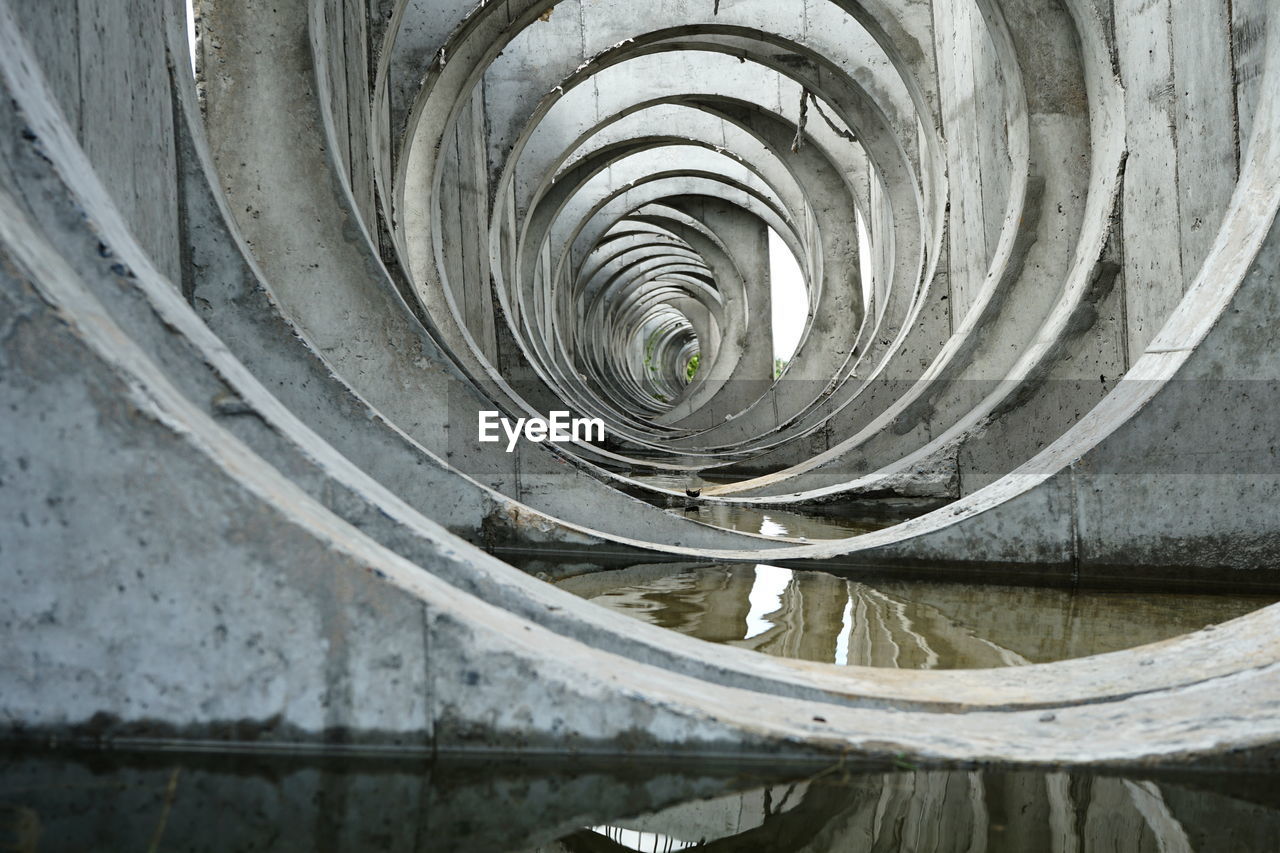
779, 365
691, 368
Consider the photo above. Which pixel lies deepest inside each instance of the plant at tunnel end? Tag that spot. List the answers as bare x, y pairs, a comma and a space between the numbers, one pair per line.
691, 369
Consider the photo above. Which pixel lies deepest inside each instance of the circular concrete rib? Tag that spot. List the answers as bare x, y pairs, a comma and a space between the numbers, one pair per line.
242, 500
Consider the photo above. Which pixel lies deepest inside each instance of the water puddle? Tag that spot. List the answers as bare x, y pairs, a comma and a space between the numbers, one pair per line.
680, 482
818, 616
852, 518
783, 524
132, 801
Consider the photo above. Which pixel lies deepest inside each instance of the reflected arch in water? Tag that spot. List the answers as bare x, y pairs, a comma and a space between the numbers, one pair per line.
889, 622
199, 803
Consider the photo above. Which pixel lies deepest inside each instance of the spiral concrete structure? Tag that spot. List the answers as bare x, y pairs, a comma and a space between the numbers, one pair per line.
252, 316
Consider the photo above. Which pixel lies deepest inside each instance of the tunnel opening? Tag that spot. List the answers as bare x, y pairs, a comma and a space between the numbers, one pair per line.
789, 298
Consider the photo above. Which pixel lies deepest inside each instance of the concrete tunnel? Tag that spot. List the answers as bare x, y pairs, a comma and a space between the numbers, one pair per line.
259, 288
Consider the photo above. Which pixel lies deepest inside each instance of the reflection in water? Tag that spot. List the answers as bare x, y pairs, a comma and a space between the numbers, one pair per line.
680, 482
638, 839
780, 523
956, 812
902, 624
115, 801
851, 519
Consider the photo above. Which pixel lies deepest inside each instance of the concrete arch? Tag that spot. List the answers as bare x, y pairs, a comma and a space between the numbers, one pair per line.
253, 426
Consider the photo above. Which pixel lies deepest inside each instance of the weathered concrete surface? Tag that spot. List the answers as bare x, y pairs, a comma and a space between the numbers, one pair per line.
185, 447
126, 130
240, 528
366, 334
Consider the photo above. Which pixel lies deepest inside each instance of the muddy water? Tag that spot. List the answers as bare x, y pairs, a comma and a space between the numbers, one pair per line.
834, 523
901, 624
783, 524
122, 801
